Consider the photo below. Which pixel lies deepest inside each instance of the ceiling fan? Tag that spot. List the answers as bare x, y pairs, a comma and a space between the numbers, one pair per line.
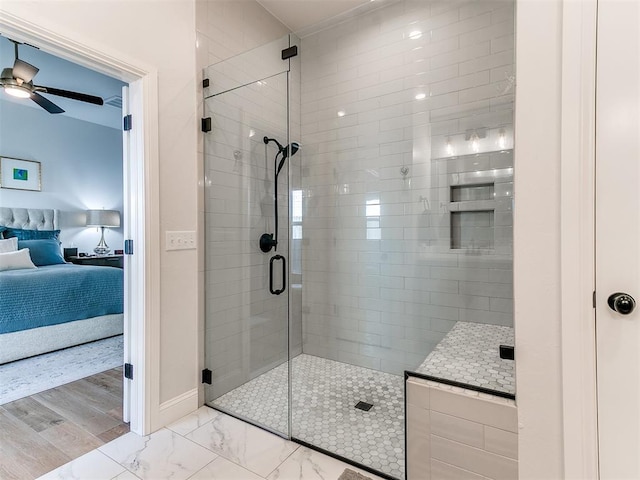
18, 82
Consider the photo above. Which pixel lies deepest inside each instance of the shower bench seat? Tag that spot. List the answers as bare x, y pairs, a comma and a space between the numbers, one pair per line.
455, 426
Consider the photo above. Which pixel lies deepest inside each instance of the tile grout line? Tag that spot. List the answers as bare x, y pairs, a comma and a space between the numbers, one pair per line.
287, 458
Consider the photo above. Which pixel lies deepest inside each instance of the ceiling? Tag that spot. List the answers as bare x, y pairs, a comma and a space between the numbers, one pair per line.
65, 75
297, 15
301, 14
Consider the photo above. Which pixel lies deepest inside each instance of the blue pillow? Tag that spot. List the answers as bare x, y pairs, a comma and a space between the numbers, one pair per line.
43, 252
31, 234
2, 229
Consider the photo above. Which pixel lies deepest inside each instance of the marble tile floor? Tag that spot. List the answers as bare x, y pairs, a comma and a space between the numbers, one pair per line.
323, 397
205, 445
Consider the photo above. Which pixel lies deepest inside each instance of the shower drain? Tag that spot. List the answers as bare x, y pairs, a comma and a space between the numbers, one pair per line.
364, 406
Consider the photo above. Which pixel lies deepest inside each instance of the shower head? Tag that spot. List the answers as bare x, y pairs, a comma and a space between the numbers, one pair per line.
294, 149
285, 153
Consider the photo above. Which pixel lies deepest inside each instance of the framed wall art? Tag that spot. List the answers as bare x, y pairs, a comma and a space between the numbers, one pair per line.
20, 174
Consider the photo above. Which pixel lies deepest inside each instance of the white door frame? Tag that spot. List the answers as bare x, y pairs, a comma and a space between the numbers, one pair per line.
142, 298
579, 394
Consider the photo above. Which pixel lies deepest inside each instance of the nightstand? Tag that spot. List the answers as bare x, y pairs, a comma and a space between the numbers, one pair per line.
99, 260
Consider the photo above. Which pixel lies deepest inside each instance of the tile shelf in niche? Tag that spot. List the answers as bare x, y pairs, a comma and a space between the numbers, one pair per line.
472, 206
472, 192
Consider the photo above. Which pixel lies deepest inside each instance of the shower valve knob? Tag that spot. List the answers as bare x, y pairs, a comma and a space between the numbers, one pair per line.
267, 242
622, 303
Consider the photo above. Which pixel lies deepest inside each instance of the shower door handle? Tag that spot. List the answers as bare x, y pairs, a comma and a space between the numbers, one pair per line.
284, 274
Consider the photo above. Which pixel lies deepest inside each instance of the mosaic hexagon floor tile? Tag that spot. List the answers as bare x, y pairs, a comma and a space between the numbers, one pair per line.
469, 354
323, 413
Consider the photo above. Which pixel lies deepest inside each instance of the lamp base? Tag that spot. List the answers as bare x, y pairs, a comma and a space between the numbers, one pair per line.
102, 248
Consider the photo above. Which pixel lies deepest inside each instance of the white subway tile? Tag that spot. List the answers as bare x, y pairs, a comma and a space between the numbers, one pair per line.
418, 443
464, 54
499, 290
457, 429
461, 301
473, 459
486, 412
501, 442
487, 62
466, 25
444, 471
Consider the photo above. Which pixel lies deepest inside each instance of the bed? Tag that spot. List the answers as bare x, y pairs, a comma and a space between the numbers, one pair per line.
55, 306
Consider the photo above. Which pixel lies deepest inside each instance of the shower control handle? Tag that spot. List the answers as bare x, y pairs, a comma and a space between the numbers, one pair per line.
284, 275
267, 242
623, 303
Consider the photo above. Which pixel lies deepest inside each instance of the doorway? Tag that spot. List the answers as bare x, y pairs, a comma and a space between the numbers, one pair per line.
134, 210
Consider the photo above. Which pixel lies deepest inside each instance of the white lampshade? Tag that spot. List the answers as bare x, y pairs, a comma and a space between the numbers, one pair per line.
103, 218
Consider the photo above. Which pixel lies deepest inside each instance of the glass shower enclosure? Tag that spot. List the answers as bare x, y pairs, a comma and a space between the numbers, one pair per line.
248, 164
358, 213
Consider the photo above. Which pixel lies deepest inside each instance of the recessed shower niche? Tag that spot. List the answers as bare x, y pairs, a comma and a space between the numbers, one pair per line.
480, 200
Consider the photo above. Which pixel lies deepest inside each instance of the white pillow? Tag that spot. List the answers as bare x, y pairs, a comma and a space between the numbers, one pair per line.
9, 245
16, 260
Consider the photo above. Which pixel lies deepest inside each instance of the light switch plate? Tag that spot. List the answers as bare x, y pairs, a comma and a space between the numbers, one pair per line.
185, 240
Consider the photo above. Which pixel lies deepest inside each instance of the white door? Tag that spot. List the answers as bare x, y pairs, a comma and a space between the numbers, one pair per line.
134, 265
618, 236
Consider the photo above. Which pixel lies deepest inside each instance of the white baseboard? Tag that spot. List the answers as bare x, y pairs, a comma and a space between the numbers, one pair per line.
176, 408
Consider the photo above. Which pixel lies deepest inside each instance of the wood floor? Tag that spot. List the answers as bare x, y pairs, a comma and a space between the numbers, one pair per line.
42, 432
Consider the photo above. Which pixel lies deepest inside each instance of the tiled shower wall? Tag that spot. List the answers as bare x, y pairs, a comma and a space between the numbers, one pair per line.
399, 105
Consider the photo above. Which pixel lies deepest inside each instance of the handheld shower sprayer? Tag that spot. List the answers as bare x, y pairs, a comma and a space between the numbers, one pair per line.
270, 240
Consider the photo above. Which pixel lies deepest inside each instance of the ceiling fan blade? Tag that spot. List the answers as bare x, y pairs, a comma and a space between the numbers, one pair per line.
48, 105
83, 97
24, 71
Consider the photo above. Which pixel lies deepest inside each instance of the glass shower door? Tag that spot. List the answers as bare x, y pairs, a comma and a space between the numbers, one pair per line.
247, 237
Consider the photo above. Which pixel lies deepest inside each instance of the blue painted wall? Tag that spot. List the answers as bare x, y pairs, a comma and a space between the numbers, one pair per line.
81, 168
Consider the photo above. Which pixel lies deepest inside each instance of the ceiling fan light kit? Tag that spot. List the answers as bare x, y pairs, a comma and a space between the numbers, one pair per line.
17, 81
17, 92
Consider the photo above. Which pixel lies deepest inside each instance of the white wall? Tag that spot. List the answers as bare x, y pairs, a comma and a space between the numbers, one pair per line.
537, 240
81, 169
158, 37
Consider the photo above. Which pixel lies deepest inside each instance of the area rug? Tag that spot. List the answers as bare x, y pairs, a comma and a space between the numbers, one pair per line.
33, 375
352, 475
